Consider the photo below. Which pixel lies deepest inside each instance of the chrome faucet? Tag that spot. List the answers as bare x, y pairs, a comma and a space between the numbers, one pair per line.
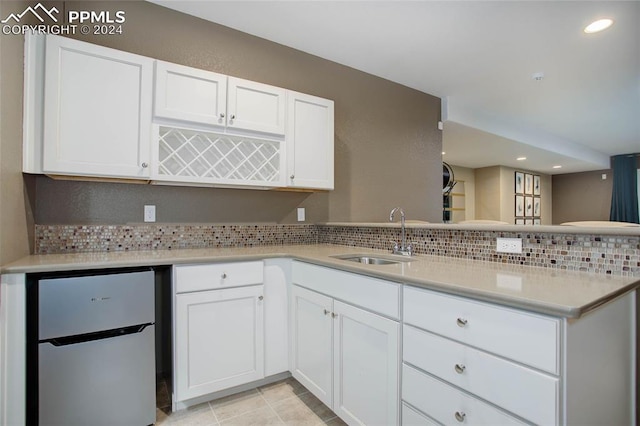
404, 248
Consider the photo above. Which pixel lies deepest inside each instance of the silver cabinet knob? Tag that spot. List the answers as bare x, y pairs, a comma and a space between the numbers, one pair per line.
326, 312
334, 315
224, 275
461, 322
222, 115
233, 116
260, 297
292, 177
144, 165
459, 368
460, 416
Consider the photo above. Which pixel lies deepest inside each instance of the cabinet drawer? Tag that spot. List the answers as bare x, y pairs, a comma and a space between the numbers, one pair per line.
217, 275
528, 393
525, 337
444, 403
369, 293
411, 417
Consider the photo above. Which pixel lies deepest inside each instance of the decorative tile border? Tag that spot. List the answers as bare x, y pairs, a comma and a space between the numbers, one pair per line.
93, 238
600, 254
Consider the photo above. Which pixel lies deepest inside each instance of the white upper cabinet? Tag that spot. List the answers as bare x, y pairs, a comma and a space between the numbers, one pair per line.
189, 94
309, 142
204, 97
255, 106
97, 110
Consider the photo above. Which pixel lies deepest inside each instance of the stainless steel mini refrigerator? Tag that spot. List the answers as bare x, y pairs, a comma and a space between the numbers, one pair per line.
96, 356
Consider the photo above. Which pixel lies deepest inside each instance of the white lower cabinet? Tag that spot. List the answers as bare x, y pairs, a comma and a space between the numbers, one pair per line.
447, 404
312, 342
346, 356
412, 417
339, 334
219, 334
365, 366
219, 340
276, 316
472, 362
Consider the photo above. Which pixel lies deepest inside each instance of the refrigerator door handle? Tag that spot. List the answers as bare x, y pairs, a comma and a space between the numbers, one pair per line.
98, 335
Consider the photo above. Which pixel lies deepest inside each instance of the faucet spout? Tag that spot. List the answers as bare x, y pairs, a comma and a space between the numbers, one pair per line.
404, 249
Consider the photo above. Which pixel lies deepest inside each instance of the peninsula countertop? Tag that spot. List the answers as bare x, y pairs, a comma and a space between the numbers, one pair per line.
556, 292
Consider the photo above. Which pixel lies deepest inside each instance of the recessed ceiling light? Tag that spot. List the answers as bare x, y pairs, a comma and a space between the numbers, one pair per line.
599, 25
443, 153
557, 167
521, 158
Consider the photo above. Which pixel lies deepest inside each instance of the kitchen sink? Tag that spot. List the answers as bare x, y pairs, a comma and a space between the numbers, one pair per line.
372, 260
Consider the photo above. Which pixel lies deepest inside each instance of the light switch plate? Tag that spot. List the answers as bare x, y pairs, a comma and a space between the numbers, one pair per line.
301, 214
509, 245
149, 213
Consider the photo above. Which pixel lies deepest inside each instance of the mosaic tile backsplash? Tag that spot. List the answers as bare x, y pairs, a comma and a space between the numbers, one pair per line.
92, 238
601, 254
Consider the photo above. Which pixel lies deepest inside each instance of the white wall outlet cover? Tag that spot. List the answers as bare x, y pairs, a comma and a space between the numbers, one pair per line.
301, 214
509, 245
149, 213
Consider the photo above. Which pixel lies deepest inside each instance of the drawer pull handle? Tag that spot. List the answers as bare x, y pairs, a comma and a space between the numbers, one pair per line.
224, 275
459, 368
461, 322
326, 312
460, 416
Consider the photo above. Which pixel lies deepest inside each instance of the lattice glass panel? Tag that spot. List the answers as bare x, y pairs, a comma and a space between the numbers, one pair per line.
190, 153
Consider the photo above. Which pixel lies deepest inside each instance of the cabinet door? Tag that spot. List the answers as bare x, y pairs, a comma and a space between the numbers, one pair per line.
190, 94
255, 106
309, 141
311, 348
219, 340
366, 366
97, 111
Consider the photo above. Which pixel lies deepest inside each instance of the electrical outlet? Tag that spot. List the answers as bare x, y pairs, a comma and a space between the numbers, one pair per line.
149, 213
301, 214
509, 245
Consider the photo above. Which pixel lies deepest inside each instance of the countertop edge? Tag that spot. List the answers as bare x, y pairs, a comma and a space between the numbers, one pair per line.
541, 307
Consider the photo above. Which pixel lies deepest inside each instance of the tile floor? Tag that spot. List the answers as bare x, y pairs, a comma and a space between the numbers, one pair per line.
285, 402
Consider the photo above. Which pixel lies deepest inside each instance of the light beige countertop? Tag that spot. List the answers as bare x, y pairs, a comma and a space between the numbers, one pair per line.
543, 290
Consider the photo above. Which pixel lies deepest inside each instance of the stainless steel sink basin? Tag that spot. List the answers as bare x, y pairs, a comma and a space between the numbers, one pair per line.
372, 260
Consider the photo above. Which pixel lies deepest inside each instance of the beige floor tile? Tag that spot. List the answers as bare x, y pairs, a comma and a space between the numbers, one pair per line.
235, 405
198, 415
336, 421
281, 390
162, 416
264, 416
294, 412
316, 406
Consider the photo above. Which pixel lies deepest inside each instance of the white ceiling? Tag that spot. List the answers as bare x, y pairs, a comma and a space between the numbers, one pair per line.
479, 57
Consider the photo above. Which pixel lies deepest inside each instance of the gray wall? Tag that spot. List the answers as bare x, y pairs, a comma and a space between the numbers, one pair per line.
387, 146
16, 221
581, 196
